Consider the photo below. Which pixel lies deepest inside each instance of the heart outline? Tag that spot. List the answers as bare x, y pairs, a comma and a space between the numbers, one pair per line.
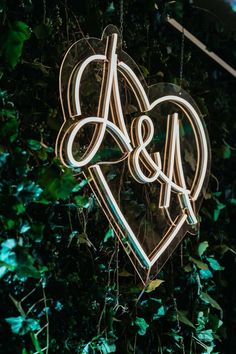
101, 188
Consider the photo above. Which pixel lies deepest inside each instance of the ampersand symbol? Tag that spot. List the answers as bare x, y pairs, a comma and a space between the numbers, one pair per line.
145, 168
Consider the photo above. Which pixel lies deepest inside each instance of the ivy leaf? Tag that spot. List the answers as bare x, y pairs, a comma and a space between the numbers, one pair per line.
28, 191
225, 152
14, 40
20, 325
188, 268
82, 201
209, 300
205, 274
161, 310
25, 226
202, 248
56, 184
144, 71
232, 201
199, 264
16, 258
222, 249
219, 207
34, 144
109, 234
125, 273
214, 264
80, 185
7, 255
25, 265
153, 285
183, 318
3, 158
111, 8
142, 325
216, 323
206, 336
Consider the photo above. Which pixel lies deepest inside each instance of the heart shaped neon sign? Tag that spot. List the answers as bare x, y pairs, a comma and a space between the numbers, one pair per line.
115, 80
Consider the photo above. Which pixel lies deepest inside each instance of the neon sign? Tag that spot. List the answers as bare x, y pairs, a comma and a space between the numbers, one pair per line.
88, 126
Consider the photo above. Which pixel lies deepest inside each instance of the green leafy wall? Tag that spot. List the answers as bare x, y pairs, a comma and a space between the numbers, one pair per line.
66, 287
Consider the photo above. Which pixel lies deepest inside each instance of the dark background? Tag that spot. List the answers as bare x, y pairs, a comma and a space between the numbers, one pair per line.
60, 252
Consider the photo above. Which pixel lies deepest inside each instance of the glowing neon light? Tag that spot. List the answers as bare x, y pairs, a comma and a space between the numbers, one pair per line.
144, 167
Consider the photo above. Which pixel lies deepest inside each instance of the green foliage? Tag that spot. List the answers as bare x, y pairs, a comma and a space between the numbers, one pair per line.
61, 268
142, 325
12, 42
20, 325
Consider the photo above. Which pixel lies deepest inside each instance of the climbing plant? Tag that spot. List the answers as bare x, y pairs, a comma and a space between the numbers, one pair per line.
66, 286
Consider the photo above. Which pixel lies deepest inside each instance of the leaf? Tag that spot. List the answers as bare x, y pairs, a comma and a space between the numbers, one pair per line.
20, 325
19, 208
183, 318
214, 264
109, 234
199, 264
16, 258
28, 191
80, 185
188, 268
144, 71
25, 265
201, 321
55, 183
106, 347
202, 248
205, 274
153, 285
222, 249
82, 201
125, 273
232, 201
161, 310
14, 40
3, 158
110, 8
25, 226
225, 152
8, 256
209, 300
142, 325
216, 323
34, 144
219, 207
206, 336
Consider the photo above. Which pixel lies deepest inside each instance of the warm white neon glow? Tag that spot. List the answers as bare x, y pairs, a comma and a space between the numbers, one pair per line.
167, 242
144, 167
108, 196
192, 115
111, 127
81, 69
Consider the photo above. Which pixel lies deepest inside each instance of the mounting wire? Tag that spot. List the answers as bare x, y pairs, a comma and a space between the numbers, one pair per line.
181, 58
121, 18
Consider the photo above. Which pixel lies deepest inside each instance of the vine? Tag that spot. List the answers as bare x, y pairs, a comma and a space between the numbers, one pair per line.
66, 285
